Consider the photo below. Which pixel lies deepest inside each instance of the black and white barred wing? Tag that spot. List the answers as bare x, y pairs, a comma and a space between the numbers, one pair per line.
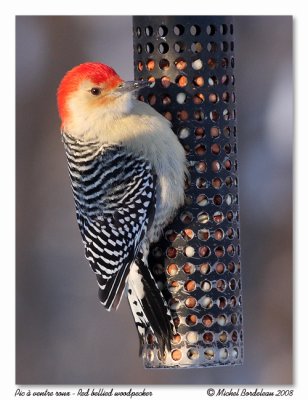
115, 202
112, 242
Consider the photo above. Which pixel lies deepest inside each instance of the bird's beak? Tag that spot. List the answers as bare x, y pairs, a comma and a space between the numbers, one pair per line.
130, 86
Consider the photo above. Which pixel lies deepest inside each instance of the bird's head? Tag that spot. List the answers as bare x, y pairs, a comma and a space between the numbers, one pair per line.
91, 95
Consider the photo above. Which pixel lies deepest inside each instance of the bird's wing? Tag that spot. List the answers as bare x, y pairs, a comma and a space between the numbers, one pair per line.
115, 204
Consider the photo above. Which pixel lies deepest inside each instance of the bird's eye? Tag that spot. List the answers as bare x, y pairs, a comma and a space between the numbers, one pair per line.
95, 91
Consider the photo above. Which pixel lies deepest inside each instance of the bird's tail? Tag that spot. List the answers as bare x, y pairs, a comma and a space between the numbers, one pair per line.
150, 310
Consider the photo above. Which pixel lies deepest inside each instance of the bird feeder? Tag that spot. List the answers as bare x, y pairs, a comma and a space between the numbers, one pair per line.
190, 62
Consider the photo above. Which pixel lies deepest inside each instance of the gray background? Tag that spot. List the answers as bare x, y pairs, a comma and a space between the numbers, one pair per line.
63, 334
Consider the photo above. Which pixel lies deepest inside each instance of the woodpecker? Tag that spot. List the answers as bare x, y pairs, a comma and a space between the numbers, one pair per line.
127, 171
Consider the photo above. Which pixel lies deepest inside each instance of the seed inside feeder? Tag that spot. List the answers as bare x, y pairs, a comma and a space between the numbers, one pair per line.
227, 165
151, 79
171, 235
222, 320
182, 115
202, 200
207, 320
203, 234
190, 302
222, 302
172, 269
234, 319
186, 217
184, 133
208, 337
232, 284
190, 285
158, 269
152, 99
214, 115
140, 66
191, 320
228, 199
223, 354
206, 302
215, 148
150, 339
181, 98
176, 338
229, 215
200, 149
150, 65
213, 98
176, 355
214, 131
201, 183
188, 234
164, 64
231, 250
161, 357
199, 132
171, 252
198, 81
231, 267
198, 98
197, 64
174, 304
218, 217
181, 80
225, 97
233, 301
148, 31
173, 286
217, 200
189, 268
203, 218
220, 268
209, 353
176, 321
189, 251
168, 115
216, 182
206, 286
192, 354
166, 100
204, 251
221, 285
223, 337
219, 251
180, 64
212, 63
205, 268
192, 337
218, 234
165, 81
150, 355
234, 352
234, 336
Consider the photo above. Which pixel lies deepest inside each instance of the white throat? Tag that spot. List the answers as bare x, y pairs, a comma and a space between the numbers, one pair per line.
93, 122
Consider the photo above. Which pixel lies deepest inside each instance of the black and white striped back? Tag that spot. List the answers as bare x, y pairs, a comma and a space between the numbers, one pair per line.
114, 194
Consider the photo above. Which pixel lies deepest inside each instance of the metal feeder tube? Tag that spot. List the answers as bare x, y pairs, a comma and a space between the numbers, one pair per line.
190, 60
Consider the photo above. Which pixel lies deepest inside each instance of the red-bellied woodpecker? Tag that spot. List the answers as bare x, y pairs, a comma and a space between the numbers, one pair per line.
127, 186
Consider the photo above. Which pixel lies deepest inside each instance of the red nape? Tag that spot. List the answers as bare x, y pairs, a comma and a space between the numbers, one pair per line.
95, 72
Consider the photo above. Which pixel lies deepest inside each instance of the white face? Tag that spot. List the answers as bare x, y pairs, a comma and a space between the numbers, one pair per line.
92, 107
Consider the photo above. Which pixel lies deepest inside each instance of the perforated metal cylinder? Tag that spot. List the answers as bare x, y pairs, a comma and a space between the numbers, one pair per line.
190, 61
